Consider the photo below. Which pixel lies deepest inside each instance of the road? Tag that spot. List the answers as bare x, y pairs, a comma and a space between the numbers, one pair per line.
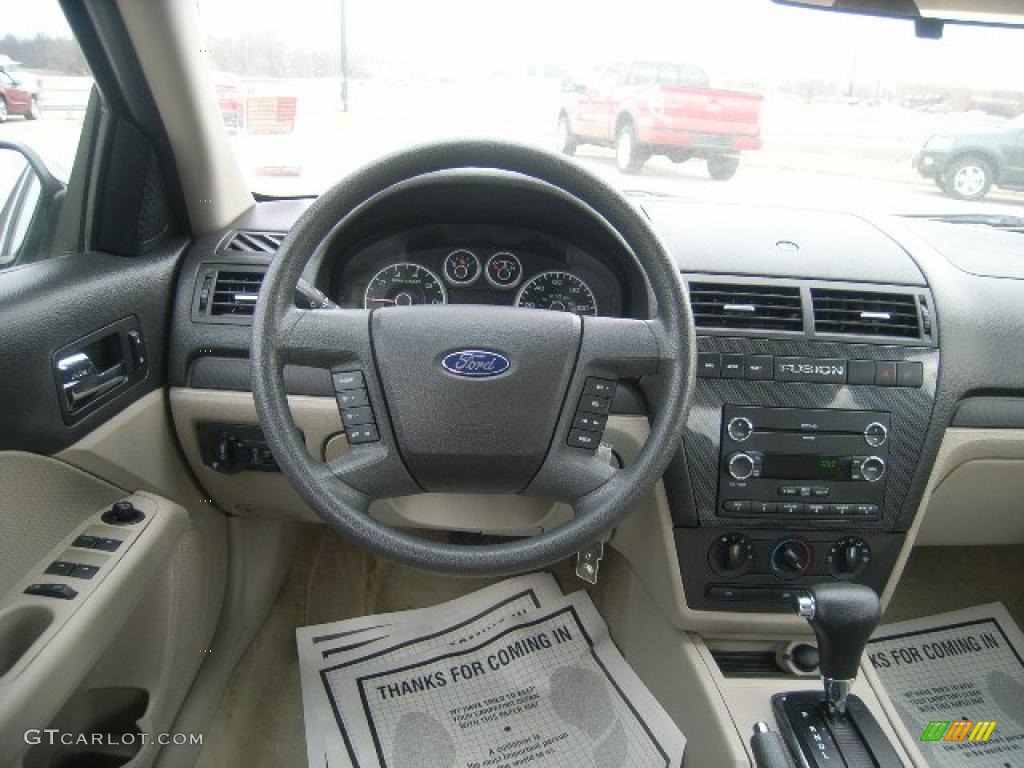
319, 156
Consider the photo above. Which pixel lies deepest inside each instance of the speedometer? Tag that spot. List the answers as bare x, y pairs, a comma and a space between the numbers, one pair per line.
560, 291
403, 285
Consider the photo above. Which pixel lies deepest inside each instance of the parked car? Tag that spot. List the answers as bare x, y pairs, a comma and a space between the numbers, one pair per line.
965, 164
645, 108
19, 91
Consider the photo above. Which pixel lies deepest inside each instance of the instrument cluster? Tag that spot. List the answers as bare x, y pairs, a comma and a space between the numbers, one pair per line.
437, 264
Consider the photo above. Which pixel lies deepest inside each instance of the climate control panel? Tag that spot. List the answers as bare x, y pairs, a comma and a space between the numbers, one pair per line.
764, 570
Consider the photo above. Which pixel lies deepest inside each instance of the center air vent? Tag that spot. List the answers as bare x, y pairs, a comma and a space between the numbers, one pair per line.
747, 306
249, 241
865, 313
227, 293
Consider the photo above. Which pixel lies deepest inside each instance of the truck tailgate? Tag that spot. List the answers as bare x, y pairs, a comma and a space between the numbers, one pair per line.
705, 110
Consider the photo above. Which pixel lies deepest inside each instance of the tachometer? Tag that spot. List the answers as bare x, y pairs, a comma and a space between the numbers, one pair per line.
403, 285
560, 291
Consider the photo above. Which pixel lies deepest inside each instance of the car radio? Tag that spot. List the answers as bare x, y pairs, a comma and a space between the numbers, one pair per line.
824, 464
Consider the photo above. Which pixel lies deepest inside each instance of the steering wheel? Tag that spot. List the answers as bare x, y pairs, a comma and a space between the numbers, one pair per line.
441, 430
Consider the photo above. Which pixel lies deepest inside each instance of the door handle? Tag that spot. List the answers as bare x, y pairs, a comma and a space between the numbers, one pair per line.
81, 383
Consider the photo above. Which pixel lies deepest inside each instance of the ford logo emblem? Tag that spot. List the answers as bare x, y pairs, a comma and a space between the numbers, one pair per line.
475, 363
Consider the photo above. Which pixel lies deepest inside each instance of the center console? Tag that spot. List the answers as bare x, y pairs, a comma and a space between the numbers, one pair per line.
801, 463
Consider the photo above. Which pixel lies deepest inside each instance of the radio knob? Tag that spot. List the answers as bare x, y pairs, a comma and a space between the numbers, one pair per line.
875, 434
791, 558
739, 428
740, 466
872, 469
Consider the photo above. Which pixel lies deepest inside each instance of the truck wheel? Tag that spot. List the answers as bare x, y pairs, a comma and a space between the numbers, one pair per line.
968, 178
629, 156
33, 110
723, 167
565, 142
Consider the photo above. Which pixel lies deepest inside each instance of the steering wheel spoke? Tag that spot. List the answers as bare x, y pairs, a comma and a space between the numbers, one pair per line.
325, 338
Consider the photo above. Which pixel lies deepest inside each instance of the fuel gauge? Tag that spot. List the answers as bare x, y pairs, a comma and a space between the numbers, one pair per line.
504, 270
461, 268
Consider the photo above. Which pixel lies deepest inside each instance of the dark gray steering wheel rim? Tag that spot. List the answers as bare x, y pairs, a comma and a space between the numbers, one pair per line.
343, 507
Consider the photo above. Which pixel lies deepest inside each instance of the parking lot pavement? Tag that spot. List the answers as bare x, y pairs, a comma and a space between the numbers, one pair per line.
322, 157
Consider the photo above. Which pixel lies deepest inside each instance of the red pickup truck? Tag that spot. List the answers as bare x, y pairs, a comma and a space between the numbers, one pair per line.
645, 108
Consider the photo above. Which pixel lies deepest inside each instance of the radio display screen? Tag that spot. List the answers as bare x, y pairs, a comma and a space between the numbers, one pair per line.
806, 467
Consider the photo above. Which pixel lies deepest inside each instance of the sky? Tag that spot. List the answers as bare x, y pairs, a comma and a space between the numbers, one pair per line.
734, 39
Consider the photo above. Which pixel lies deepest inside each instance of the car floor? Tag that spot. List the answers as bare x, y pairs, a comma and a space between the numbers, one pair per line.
259, 721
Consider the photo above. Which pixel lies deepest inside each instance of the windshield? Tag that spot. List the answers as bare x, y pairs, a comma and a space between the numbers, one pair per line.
731, 100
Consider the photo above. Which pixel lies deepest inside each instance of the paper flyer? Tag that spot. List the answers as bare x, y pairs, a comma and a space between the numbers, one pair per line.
546, 690
957, 681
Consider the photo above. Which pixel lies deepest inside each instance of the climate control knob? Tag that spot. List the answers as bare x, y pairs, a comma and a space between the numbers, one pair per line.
731, 555
872, 468
739, 428
740, 466
849, 557
791, 558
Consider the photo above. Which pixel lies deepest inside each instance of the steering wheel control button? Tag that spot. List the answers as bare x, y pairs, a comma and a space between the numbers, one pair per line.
739, 428
759, 368
364, 433
591, 413
122, 513
733, 366
709, 365
504, 270
348, 380
353, 417
591, 422
579, 438
60, 591
461, 268
909, 374
875, 434
352, 398
599, 387
861, 372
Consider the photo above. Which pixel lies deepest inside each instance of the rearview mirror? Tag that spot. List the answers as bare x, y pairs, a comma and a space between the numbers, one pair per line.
30, 197
929, 16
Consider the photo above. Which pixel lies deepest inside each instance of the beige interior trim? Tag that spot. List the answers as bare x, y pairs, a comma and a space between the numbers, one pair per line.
80, 630
977, 484
168, 41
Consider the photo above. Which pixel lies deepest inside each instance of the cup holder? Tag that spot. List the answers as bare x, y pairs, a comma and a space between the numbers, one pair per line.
20, 627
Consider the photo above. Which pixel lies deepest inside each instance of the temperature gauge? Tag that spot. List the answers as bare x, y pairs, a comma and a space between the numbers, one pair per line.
461, 267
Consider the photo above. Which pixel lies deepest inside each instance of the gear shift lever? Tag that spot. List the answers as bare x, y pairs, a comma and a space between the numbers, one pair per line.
843, 616
839, 729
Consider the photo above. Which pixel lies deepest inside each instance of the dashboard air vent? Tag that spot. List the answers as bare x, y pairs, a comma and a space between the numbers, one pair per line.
235, 292
747, 306
865, 313
249, 241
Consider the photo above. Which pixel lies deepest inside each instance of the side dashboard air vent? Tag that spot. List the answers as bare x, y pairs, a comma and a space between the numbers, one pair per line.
866, 313
250, 241
747, 306
227, 293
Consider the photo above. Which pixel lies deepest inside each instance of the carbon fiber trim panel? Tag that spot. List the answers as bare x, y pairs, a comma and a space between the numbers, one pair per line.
911, 410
